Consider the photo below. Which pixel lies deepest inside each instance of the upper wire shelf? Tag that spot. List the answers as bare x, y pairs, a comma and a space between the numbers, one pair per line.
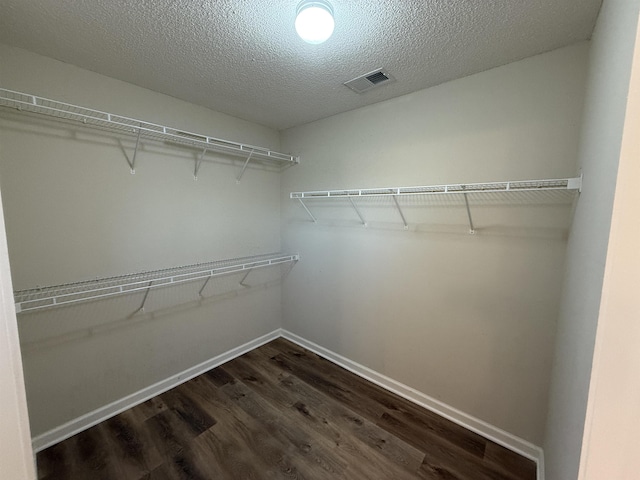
456, 188
462, 191
44, 297
32, 103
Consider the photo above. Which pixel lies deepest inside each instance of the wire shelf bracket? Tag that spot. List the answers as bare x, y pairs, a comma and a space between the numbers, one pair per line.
244, 278
472, 230
198, 163
244, 167
144, 300
46, 297
204, 285
404, 220
573, 184
132, 163
358, 212
313, 219
26, 102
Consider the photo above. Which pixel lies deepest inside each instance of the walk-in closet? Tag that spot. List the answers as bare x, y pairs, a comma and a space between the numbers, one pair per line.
400, 248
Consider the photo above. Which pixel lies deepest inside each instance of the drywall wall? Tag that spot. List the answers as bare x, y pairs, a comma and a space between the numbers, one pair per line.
611, 444
467, 319
16, 456
605, 103
75, 212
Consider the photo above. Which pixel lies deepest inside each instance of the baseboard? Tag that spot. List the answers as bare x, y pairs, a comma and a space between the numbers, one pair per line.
478, 426
540, 463
101, 414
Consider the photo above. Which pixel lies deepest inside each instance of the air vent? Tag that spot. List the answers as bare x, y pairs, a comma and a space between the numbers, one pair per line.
370, 80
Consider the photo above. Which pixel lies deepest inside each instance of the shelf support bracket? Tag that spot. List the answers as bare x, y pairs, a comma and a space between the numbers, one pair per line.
245, 277
244, 167
144, 299
404, 220
472, 230
132, 164
204, 285
355, 207
308, 211
198, 163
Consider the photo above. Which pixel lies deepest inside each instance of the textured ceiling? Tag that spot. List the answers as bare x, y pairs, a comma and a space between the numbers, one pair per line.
243, 57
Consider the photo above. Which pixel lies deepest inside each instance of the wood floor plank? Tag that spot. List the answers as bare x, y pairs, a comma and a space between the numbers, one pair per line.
264, 435
163, 472
229, 458
130, 446
510, 461
148, 409
90, 458
313, 455
279, 412
320, 408
367, 453
182, 466
378, 400
191, 414
439, 455
366, 398
371, 401
218, 377
54, 462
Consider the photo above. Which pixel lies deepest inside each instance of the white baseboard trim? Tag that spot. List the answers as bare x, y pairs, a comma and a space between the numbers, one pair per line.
101, 414
540, 463
478, 426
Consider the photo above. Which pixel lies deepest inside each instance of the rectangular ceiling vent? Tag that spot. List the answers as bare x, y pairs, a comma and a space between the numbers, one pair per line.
370, 80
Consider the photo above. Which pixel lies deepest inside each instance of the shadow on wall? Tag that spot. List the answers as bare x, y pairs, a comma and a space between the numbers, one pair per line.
41, 329
546, 219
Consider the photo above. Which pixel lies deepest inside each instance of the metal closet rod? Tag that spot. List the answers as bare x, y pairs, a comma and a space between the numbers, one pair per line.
53, 108
52, 296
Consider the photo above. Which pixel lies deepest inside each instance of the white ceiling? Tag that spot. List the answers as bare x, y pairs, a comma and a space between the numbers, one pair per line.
243, 57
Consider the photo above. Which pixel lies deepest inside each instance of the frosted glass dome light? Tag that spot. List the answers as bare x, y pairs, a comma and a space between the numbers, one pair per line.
314, 21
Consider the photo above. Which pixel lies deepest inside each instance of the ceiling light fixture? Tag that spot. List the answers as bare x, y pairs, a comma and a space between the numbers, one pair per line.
314, 21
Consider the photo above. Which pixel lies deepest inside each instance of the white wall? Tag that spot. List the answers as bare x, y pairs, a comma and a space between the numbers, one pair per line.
74, 212
611, 443
468, 320
601, 133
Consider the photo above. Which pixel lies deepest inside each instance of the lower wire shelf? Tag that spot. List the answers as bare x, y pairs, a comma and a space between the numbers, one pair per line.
52, 296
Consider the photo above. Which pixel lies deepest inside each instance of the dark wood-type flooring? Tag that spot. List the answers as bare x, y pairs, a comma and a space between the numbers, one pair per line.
279, 412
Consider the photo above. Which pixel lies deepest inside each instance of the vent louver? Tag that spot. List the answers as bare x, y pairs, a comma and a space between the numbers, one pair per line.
370, 80
377, 77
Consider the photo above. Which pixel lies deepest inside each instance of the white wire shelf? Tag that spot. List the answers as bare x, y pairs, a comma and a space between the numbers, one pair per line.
453, 189
462, 191
52, 108
52, 296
